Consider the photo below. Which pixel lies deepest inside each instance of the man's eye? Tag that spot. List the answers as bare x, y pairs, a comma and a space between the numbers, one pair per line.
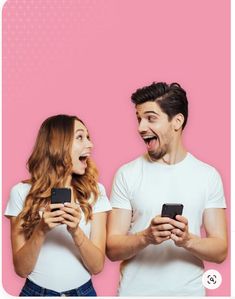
151, 118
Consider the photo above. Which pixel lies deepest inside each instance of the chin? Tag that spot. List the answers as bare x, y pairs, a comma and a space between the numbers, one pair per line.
79, 171
156, 155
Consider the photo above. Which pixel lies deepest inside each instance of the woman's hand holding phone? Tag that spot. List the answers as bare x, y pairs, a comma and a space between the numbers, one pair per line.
72, 217
51, 217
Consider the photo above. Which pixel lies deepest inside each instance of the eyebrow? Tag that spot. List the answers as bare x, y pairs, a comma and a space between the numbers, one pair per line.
79, 130
146, 112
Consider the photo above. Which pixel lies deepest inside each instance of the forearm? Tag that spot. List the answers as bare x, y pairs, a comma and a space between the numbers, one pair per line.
25, 258
92, 257
209, 249
123, 247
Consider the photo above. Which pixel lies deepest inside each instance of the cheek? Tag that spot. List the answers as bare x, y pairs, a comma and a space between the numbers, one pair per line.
75, 156
76, 150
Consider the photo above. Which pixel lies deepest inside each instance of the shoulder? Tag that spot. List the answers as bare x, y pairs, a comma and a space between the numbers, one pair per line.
20, 190
203, 170
102, 203
17, 198
127, 177
101, 189
202, 167
131, 167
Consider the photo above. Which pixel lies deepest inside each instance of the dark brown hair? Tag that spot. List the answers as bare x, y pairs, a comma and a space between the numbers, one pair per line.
172, 98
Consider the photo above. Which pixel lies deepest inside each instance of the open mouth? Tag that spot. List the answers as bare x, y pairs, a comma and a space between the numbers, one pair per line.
83, 158
150, 141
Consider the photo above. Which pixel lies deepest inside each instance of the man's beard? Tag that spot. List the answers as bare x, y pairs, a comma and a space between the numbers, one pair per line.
158, 154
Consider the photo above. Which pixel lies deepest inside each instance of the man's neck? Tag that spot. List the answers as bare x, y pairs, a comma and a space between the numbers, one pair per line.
175, 155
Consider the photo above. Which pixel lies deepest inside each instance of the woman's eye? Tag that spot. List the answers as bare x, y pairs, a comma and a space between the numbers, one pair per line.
79, 137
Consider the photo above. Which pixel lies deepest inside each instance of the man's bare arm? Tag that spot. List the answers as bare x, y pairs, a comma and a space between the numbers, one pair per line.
121, 246
214, 247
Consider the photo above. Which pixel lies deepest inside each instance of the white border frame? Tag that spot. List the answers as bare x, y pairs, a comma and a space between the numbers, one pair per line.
3, 294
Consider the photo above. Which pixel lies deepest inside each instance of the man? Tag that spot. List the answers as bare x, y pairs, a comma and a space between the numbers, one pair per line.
164, 256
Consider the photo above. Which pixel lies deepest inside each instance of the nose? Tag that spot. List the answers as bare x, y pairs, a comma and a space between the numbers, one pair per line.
89, 144
142, 126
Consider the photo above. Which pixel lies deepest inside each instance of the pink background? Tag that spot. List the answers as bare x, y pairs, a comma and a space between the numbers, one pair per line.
86, 57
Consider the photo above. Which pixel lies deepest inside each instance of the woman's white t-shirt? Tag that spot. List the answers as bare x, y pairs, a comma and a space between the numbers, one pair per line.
59, 266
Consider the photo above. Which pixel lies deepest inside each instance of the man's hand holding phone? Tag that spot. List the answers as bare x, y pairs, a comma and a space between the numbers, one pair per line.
180, 233
159, 230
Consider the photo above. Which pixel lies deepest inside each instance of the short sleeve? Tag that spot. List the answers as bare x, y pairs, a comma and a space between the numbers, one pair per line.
120, 197
215, 192
16, 200
102, 204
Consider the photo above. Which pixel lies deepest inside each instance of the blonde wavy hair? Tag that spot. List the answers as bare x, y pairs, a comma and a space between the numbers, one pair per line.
49, 166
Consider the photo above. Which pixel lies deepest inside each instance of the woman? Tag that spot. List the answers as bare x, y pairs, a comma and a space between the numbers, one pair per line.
59, 246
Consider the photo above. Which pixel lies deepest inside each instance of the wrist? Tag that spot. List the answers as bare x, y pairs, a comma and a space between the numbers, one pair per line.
76, 232
79, 238
143, 237
189, 242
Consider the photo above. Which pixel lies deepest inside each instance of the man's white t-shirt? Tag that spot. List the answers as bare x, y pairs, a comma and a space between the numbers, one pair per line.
59, 266
143, 187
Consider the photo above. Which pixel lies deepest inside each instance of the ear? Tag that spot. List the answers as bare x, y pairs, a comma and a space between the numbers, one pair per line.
178, 121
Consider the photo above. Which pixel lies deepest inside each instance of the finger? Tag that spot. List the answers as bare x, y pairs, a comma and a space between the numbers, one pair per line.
181, 218
176, 238
178, 224
74, 212
69, 217
160, 220
54, 220
72, 205
177, 232
55, 206
163, 234
70, 224
164, 227
56, 213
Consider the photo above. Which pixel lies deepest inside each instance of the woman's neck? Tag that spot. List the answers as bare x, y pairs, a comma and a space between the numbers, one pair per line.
68, 181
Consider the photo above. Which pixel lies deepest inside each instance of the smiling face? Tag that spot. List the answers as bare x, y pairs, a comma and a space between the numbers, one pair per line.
81, 148
156, 130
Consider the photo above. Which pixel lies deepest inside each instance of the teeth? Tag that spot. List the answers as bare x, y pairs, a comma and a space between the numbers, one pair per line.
148, 137
85, 155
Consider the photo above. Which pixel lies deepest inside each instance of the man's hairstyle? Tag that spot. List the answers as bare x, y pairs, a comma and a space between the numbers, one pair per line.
171, 98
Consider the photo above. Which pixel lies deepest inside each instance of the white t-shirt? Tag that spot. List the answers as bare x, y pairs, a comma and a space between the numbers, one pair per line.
143, 187
59, 266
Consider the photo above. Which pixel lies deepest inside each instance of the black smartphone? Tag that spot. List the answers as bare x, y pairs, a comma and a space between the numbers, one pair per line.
60, 195
171, 210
